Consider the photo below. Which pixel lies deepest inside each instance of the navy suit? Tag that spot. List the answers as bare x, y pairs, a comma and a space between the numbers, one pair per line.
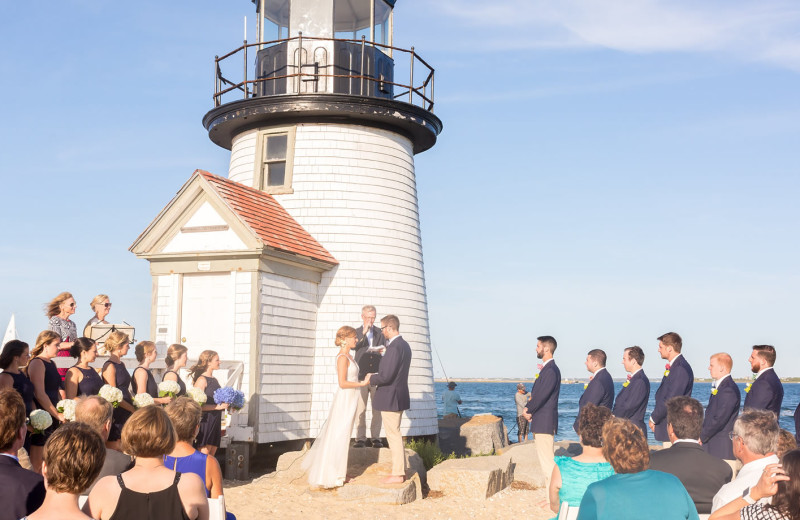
632, 400
721, 413
679, 382
543, 404
766, 393
599, 391
21, 491
392, 378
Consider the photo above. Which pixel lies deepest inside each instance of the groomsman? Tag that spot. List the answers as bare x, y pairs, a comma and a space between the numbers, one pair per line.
678, 380
631, 402
723, 408
600, 389
797, 424
766, 392
542, 408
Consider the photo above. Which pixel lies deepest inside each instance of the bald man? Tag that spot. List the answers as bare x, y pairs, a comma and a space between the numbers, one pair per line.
723, 407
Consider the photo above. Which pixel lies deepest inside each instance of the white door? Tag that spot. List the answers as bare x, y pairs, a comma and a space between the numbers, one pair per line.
207, 309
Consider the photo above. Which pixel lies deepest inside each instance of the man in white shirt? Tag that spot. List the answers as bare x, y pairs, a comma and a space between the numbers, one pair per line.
755, 441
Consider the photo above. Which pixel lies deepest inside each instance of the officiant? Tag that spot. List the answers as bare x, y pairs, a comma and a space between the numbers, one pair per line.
368, 352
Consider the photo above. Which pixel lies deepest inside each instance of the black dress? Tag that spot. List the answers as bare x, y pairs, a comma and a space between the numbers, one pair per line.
91, 382
180, 382
25, 388
52, 384
121, 415
164, 504
151, 387
211, 422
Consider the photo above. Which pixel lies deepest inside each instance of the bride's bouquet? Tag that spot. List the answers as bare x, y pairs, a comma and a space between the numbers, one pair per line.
40, 420
142, 400
67, 407
197, 395
230, 395
111, 394
168, 389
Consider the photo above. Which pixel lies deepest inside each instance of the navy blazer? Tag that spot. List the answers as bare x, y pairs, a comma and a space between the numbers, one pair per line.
631, 402
721, 413
543, 404
392, 378
367, 362
21, 491
766, 393
599, 391
797, 423
679, 382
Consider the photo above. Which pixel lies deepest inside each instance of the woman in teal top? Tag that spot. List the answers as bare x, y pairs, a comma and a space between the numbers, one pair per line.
634, 493
572, 475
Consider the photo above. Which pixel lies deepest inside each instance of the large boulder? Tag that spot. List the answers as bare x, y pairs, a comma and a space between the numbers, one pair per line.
477, 477
479, 435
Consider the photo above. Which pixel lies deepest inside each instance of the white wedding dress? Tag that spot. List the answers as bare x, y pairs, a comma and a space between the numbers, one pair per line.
326, 461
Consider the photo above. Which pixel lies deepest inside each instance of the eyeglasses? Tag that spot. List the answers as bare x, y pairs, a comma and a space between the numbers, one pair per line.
107, 305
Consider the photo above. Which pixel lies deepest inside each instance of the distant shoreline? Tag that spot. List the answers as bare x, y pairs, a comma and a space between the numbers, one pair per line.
584, 380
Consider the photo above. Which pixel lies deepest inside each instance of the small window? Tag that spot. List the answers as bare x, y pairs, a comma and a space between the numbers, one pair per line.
274, 161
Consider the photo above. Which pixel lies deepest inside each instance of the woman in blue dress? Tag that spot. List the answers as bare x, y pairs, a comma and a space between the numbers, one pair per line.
81, 378
210, 434
48, 389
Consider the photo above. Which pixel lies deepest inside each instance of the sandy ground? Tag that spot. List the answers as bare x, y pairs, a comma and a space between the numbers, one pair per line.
271, 497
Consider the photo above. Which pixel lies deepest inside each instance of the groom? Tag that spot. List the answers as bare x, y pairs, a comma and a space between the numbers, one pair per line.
391, 396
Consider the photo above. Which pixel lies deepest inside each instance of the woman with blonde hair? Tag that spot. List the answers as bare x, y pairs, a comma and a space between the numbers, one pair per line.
115, 374
148, 490
143, 380
210, 434
81, 378
48, 389
101, 306
326, 462
176, 358
58, 311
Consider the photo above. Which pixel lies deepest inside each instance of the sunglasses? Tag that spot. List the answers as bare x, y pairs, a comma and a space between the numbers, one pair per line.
107, 305
72, 305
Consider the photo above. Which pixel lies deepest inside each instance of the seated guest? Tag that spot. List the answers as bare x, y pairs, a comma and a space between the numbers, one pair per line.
97, 413
572, 475
73, 456
779, 481
21, 491
148, 490
786, 443
700, 473
635, 492
755, 441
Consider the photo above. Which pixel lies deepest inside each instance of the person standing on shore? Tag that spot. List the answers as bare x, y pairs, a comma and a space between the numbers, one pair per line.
678, 380
600, 388
631, 402
521, 399
542, 408
367, 355
722, 410
451, 400
766, 391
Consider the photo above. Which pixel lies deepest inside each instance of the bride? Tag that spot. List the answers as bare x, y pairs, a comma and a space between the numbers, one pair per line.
326, 462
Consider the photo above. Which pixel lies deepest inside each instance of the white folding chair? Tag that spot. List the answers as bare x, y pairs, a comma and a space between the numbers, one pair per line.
565, 512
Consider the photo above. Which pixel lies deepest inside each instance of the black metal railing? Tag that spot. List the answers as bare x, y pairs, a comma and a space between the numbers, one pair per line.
421, 95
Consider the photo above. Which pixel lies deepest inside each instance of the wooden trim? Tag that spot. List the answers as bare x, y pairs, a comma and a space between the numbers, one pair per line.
254, 378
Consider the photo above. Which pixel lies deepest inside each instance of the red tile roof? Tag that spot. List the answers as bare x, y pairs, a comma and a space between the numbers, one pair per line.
267, 219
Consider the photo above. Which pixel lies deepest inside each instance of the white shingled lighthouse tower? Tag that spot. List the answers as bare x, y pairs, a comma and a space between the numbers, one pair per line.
317, 217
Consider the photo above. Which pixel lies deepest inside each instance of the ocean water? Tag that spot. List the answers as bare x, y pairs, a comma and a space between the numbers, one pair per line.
498, 399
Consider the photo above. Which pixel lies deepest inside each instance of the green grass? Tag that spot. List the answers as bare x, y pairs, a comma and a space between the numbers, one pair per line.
429, 452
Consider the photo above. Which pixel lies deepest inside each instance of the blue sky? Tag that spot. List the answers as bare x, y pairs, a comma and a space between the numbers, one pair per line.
607, 173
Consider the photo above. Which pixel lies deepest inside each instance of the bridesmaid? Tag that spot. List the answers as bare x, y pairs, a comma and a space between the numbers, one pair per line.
48, 389
176, 359
115, 374
210, 433
82, 379
59, 310
143, 380
15, 355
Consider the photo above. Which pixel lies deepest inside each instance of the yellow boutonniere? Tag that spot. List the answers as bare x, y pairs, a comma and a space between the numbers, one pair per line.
747, 388
714, 391
537, 376
585, 386
666, 373
625, 384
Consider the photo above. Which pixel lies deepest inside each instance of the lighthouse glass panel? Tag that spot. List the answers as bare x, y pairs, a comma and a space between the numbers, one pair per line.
275, 159
276, 20
351, 19
382, 12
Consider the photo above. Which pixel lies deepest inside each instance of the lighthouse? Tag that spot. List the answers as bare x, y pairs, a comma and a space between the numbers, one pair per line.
317, 215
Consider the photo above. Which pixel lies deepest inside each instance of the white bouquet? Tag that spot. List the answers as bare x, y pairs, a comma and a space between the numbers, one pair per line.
67, 407
111, 394
142, 400
40, 421
168, 388
198, 395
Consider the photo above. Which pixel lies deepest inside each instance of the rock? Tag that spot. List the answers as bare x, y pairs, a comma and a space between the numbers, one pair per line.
360, 459
367, 488
478, 477
525, 463
479, 435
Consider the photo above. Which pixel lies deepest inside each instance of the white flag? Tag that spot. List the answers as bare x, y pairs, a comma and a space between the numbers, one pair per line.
11, 331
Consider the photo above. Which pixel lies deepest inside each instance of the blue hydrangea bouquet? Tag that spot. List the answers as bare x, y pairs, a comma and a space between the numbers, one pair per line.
233, 397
